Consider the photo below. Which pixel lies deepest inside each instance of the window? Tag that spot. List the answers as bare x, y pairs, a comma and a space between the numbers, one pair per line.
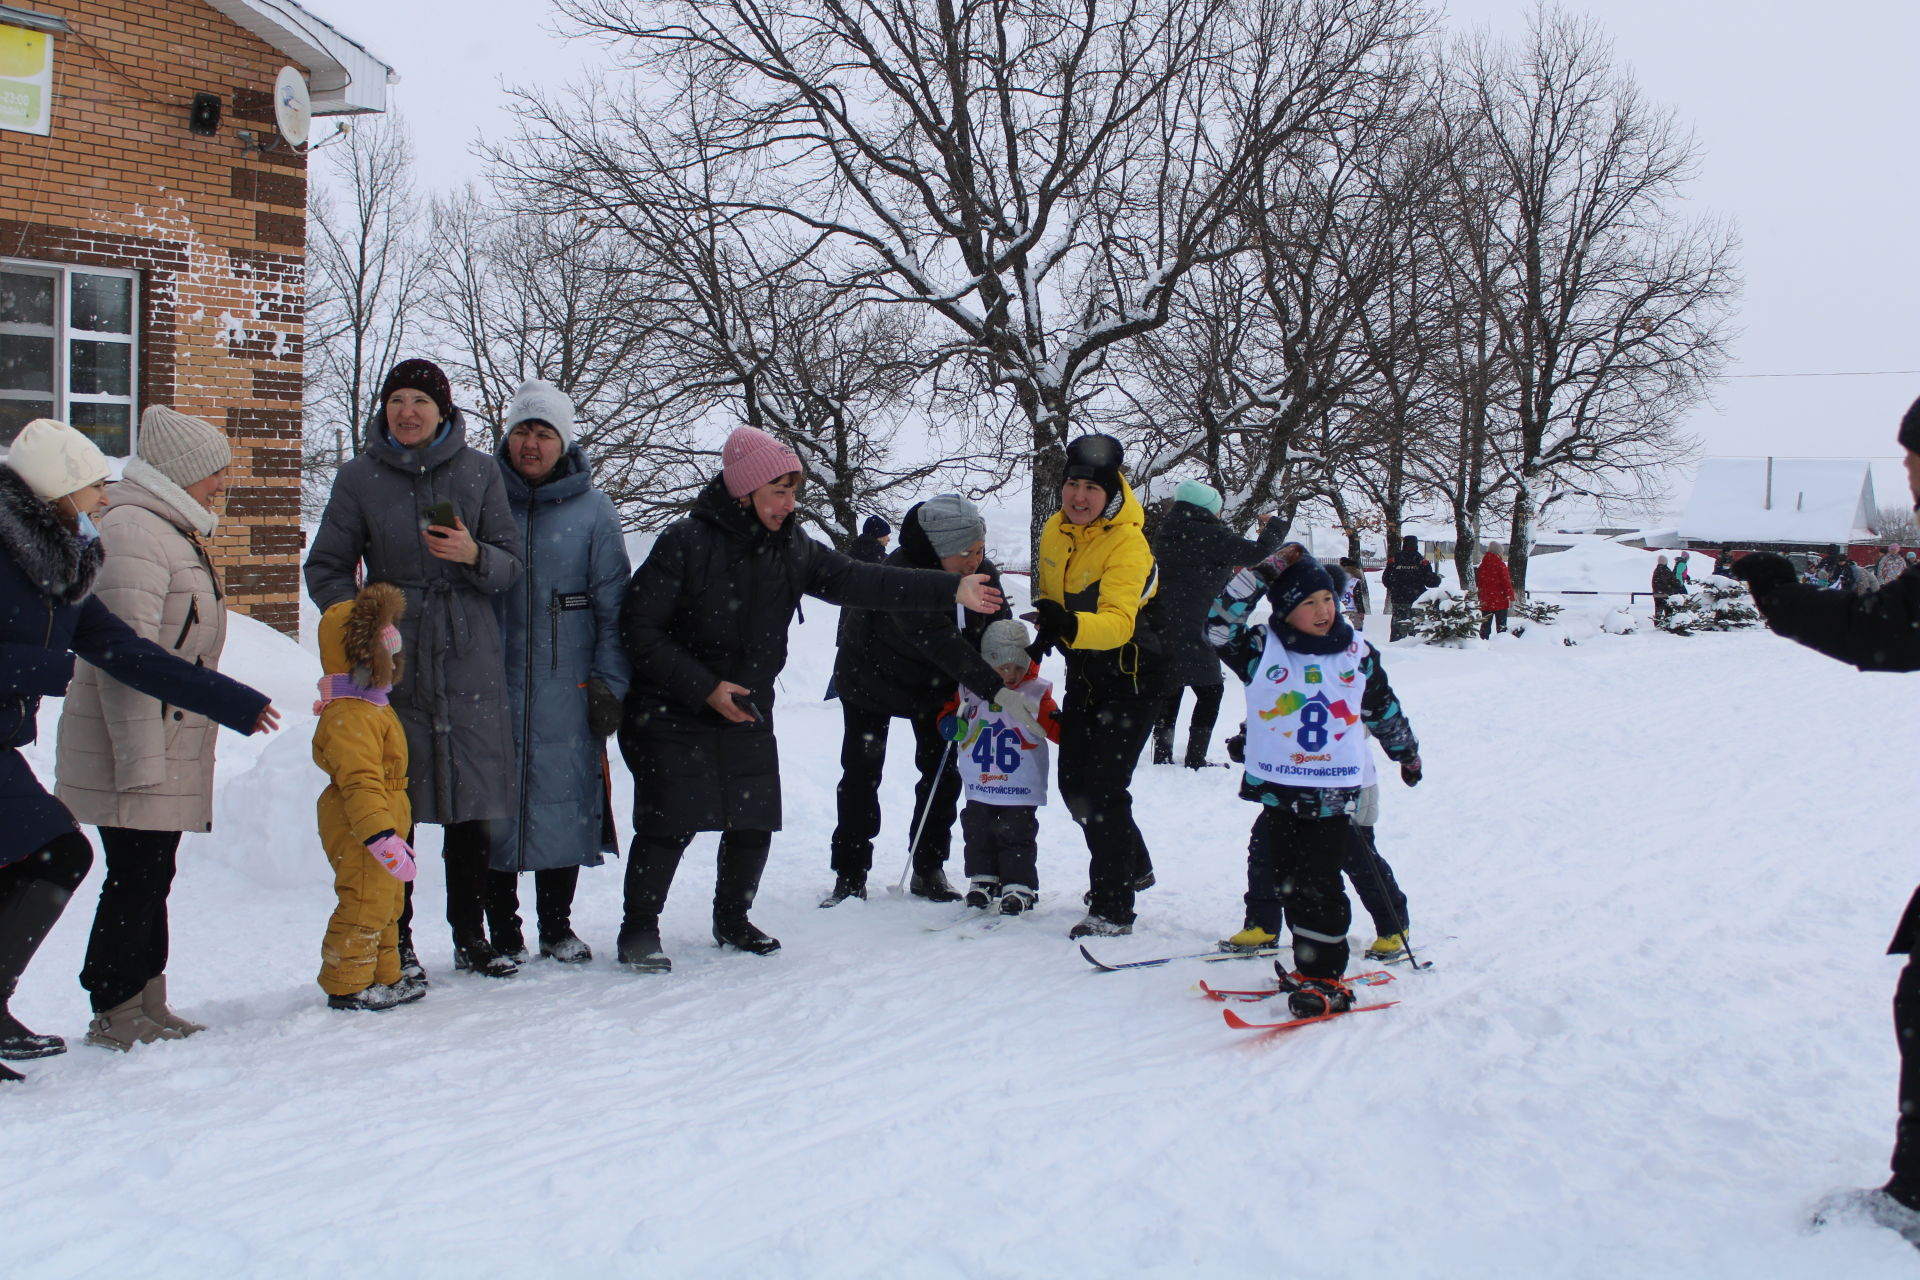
68, 350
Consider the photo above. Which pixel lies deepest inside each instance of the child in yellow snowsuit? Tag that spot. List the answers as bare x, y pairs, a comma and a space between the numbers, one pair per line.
364, 814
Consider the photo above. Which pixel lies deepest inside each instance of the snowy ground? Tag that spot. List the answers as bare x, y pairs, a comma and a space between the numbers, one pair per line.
1656, 874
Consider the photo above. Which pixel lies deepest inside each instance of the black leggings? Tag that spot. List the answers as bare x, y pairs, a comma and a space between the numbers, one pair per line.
553, 891
128, 946
464, 850
1100, 742
655, 856
1206, 710
863, 754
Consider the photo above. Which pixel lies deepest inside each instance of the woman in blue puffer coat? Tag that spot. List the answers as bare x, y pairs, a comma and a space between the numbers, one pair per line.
52, 483
566, 673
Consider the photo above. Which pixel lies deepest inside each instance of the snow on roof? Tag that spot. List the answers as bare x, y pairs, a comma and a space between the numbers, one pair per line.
345, 78
1811, 500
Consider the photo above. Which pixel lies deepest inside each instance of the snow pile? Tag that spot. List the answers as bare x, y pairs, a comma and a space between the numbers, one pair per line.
1593, 565
1656, 1030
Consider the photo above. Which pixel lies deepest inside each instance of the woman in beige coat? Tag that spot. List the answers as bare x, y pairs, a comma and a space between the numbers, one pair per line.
138, 769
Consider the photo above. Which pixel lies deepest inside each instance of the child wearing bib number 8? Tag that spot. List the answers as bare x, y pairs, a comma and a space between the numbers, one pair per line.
1001, 750
1312, 683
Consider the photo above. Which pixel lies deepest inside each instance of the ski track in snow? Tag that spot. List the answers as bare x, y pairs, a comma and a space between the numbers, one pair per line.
1656, 875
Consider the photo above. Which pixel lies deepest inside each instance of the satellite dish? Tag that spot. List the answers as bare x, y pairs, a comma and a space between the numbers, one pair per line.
292, 108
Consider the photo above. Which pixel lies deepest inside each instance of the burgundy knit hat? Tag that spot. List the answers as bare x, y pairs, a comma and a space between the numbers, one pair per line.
423, 376
751, 458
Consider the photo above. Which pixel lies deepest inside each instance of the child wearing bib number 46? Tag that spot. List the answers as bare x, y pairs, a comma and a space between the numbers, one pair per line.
1001, 750
1312, 682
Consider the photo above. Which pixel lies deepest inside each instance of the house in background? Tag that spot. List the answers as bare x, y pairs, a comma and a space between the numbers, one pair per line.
1784, 505
152, 239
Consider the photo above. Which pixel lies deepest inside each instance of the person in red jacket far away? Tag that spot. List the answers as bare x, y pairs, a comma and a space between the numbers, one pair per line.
1495, 586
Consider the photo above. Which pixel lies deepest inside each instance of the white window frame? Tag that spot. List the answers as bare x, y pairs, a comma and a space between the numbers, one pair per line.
65, 335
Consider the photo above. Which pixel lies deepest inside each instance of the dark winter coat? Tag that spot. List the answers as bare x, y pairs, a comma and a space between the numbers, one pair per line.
561, 627
1666, 582
1197, 553
46, 617
713, 602
1876, 632
866, 550
1493, 584
1408, 577
907, 663
451, 698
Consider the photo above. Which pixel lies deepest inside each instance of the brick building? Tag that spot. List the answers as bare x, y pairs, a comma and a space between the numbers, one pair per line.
151, 254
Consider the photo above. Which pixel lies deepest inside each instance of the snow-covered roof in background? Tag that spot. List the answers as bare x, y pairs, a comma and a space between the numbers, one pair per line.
343, 78
1811, 500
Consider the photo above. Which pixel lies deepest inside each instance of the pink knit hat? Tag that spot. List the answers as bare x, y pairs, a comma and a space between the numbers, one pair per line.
751, 458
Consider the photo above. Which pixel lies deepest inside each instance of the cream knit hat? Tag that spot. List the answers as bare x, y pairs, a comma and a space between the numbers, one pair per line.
185, 450
55, 460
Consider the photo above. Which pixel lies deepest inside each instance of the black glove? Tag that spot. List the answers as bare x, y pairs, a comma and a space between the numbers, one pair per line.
1764, 572
1410, 771
1058, 624
603, 709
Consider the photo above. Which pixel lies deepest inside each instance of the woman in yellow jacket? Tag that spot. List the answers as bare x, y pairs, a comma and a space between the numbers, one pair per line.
1095, 573
365, 818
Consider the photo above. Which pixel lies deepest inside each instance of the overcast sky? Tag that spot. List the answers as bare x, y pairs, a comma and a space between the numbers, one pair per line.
1807, 116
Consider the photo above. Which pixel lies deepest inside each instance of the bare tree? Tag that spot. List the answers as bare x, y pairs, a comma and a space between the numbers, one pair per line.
1610, 311
978, 161
1896, 526
365, 267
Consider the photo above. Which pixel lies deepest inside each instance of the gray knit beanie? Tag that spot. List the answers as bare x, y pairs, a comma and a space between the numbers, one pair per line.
185, 450
1003, 642
538, 401
952, 524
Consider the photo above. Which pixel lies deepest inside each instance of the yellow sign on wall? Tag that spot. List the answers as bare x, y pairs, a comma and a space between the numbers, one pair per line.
26, 80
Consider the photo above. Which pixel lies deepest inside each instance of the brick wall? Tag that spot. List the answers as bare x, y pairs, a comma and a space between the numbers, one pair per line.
215, 230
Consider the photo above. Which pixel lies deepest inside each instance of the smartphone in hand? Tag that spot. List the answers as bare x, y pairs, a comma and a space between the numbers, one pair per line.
441, 515
745, 703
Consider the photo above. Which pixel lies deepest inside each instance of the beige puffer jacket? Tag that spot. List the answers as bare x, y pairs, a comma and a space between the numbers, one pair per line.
127, 760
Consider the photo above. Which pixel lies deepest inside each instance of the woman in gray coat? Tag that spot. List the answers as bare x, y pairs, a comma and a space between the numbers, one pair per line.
566, 673
420, 509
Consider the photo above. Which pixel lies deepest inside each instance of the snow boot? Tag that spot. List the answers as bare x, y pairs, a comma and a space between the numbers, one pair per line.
125, 1025
1016, 899
741, 934
9, 1076
406, 991
1144, 881
1251, 938
410, 967
932, 885
17, 1044
982, 890
1098, 927
374, 999
26, 915
567, 948
1312, 997
477, 955
1875, 1205
1389, 947
639, 950
846, 885
509, 938
153, 997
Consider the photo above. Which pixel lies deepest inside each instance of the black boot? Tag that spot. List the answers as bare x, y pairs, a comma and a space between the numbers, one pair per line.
25, 918
639, 949
477, 955
846, 885
740, 932
9, 1076
932, 885
553, 891
503, 916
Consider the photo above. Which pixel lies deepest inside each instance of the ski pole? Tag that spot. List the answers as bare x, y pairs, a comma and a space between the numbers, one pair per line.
920, 822
1386, 899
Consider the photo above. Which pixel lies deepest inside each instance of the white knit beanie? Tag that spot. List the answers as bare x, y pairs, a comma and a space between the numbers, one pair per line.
538, 401
55, 460
185, 450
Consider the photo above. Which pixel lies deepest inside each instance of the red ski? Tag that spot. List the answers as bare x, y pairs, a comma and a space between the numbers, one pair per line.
1372, 978
1239, 1023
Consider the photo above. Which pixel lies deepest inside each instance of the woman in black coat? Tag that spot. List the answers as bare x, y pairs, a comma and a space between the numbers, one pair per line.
52, 483
705, 625
1196, 554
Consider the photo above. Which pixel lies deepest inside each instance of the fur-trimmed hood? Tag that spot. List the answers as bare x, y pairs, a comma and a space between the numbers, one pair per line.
32, 533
